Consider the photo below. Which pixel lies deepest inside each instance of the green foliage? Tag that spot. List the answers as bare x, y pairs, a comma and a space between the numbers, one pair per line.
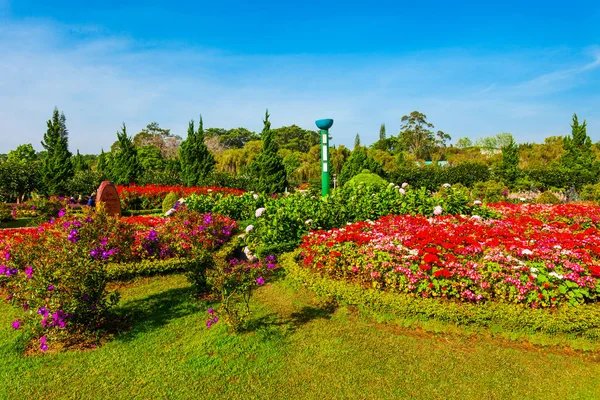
267, 169
490, 191
547, 198
124, 164
295, 138
578, 148
195, 159
235, 138
102, 164
56, 167
79, 163
366, 178
591, 193
5, 212
169, 201
23, 153
508, 169
356, 163
416, 135
581, 321
84, 182
18, 179
161, 177
557, 176
356, 141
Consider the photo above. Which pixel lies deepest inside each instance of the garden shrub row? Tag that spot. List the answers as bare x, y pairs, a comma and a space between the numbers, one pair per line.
582, 321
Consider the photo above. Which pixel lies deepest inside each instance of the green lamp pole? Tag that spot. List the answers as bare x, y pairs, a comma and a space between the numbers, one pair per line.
324, 125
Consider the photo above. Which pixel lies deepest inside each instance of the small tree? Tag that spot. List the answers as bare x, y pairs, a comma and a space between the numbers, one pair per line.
578, 148
194, 157
356, 163
102, 165
124, 165
79, 163
268, 169
56, 168
508, 169
357, 141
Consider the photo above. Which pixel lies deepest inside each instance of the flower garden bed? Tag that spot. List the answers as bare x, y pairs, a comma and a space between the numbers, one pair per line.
531, 259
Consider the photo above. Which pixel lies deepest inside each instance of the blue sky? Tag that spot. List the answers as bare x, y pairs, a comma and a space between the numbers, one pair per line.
475, 69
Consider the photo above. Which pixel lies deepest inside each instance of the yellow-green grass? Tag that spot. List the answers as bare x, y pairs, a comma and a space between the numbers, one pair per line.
294, 348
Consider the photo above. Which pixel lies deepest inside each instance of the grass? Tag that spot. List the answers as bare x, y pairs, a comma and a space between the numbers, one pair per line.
294, 348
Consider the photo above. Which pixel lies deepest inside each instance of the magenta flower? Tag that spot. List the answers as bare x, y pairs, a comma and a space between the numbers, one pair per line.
260, 281
29, 272
62, 213
50, 288
43, 344
16, 324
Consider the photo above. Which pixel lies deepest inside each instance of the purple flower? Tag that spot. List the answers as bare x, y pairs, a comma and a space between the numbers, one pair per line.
270, 259
88, 219
3, 269
7, 256
260, 281
42, 311
50, 288
25, 307
210, 311
62, 213
29, 272
152, 235
94, 253
73, 238
16, 324
208, 219
33, 208
58, 319
270, 266
43, 344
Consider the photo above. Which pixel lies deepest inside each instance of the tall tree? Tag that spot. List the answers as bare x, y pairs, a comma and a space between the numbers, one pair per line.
124, 164
268, 169
79, 163
356, 163
578, 148
382, 133
194, 157
357, 141
56, 168
417, 137
508, 169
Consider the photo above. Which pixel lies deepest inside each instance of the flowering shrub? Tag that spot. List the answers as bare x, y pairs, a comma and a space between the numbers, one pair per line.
152, 196
518, 259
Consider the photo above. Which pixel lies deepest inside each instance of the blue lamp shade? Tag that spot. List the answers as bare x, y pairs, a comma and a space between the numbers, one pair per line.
324, 123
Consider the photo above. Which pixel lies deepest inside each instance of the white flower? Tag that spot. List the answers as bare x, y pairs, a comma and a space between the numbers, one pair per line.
255, 196
391, 184
404, 185
402, 191
555, 275
475, 217
249, 228
527, 252
259, 212
437, 210
446, 185
168, 213
249, 255
477, 202
533, 269
523, 199
181, 200
308, 221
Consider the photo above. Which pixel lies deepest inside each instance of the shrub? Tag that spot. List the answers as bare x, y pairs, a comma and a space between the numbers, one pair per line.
467, 173
591, 193
547, 198
5, 212
84, 182
367, 179
490, 191
169, 201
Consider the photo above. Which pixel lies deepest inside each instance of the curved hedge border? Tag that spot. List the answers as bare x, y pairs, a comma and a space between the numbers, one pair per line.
123, 271
581, 322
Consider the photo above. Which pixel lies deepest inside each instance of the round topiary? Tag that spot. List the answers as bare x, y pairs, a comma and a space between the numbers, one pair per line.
547, 198
169, 201
367, 179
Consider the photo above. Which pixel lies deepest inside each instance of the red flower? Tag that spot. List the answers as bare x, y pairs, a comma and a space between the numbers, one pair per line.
595, 271
431, 258
424, 267
442, 272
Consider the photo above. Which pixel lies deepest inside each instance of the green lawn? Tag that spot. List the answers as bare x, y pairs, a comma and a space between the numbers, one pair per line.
295, 349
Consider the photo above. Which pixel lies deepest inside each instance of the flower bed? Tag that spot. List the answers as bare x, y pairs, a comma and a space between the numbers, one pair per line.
152, 196
534, 255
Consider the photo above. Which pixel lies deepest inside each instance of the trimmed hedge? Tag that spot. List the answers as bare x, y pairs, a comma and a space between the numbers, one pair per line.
581, 321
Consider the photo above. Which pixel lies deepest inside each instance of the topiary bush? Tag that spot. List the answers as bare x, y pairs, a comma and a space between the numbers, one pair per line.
547, 198
169, 201
490, 191
367, 179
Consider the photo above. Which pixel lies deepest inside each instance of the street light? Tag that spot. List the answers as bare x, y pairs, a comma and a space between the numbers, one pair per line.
324, 125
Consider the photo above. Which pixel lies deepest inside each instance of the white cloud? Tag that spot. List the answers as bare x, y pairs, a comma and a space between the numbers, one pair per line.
100, 81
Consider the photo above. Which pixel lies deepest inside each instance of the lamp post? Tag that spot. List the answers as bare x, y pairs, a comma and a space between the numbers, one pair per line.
324, 125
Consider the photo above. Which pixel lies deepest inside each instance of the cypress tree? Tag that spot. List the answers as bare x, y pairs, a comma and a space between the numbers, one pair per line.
578, 148
195, 159
357, 141
382, 133
124, 165
508, 169
102, 165
268, 169
56, 168
79, 163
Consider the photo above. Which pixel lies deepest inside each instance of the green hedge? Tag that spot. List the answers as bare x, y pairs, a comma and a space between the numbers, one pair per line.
582, 321
131, 213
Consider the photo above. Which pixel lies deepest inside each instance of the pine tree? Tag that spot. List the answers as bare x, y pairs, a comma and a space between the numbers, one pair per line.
357, 141
102, 165
195, 159
508, 169
578, 148
56, 168
79, 163
382, 133
124, 165
356, 163
268, 169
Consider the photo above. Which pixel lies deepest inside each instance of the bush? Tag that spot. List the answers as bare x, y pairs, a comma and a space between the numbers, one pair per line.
547, 198
490, 191
367, 179
467, 173
169, 201
84, 183
591, 193
6, 212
